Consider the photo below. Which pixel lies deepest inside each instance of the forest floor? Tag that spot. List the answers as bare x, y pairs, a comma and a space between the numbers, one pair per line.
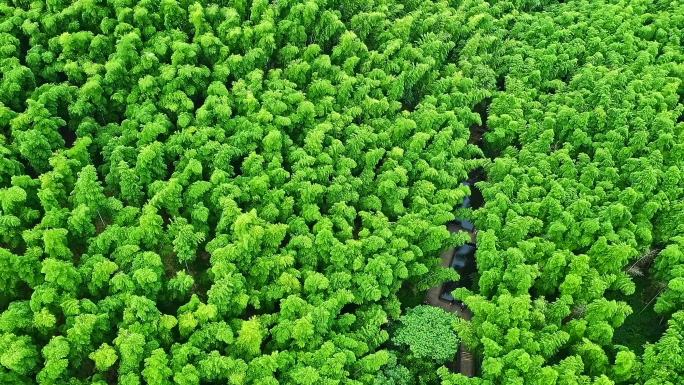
644, 324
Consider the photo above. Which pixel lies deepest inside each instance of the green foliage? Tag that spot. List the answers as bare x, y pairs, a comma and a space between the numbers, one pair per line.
393, 374
428, 333
663, 360
242, 192
104, 357
19, 354
669, 269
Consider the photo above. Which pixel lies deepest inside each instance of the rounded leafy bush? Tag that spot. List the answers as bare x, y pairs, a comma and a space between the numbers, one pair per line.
428, 332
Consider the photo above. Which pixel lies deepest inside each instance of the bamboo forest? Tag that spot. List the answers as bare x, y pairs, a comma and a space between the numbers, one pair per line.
342, 192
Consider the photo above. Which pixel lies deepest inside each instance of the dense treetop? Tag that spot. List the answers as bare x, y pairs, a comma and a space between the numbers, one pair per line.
254, 192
